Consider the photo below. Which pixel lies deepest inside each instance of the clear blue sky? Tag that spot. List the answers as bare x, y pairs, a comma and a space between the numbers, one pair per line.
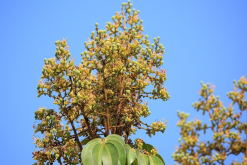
204, 40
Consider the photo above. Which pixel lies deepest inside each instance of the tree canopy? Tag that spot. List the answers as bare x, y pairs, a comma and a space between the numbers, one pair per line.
108, 102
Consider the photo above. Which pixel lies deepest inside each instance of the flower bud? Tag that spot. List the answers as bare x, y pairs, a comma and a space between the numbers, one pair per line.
52, 117
54, 130
62, 49
96, 24
47, 118
57, 42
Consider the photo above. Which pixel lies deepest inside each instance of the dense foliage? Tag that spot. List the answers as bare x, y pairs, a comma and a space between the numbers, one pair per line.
108, 102
226, 126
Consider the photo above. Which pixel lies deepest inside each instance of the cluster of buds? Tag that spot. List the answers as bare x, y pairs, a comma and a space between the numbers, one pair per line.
154, 151
139, 143
71, 152
158, 126
225, 125
133, 130
143, 111
50, 126
186, 159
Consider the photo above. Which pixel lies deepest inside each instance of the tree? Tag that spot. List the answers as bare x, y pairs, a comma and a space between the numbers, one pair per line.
109, 102
226, 125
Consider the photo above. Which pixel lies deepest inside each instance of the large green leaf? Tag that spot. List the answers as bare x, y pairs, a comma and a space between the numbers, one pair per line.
108, 151
135, 162
116, 137
130, 154
158, 155
142, 159
153, 160
119, 144
87, 152
95, 151
119, 150
105, 156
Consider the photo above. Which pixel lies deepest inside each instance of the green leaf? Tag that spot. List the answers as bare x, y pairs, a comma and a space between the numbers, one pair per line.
160, 157
116, 137
109, 151
142, 159
134, 163
130, 153
153, 160
87, 154
96, 154
105, 156
146, 159
112, 149
119, 143
119, 150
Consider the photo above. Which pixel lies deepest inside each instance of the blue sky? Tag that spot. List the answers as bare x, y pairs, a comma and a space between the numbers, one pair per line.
204, 41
